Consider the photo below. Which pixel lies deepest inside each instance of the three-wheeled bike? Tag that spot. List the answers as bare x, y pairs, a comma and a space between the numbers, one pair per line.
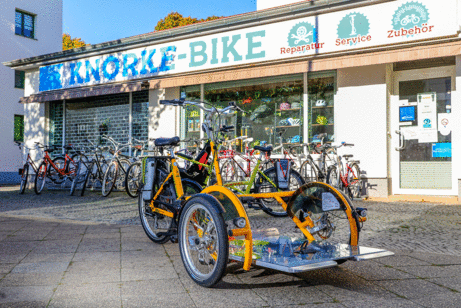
213, 227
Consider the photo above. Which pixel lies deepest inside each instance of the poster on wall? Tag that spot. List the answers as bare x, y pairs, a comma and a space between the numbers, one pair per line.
444, 123
441, 150
427, 117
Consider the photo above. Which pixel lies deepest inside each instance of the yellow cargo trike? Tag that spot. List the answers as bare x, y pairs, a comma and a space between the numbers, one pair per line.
213, 227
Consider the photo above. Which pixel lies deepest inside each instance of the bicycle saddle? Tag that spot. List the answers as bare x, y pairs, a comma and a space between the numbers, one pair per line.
161, 142
68, 147
263, 149
348, 156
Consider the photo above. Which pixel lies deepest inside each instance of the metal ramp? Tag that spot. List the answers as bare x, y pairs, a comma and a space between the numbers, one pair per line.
282, 253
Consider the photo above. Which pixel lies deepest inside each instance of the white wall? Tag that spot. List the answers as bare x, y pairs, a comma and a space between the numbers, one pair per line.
162, 121
360, 117
266, 4
48, 38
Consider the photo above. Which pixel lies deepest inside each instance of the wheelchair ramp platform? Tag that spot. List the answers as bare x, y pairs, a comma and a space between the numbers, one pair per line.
283, 253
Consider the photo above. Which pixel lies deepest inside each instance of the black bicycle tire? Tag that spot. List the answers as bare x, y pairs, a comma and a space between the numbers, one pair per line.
313, 167
24, 175
39, 191
137, 163
50, 169
104, 192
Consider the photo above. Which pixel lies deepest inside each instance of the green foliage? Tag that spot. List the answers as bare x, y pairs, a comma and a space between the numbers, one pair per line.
174, 19
69, 43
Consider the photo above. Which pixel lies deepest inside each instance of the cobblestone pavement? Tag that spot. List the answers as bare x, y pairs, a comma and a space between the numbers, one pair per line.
406, 226
62, 251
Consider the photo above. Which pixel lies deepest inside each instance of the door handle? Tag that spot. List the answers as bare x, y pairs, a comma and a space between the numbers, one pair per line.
401, 140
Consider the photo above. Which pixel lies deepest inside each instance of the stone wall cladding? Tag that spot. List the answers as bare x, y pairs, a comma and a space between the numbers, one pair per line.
92, 118
140, 129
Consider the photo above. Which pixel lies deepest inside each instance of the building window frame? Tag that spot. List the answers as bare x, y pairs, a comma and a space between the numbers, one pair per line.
20, 18
18, 132
19, 79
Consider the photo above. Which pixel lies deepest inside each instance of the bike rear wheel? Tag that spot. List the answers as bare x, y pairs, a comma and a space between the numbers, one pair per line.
355, 181
24, 175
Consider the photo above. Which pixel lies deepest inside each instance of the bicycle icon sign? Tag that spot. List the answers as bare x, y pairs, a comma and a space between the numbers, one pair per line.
412, 18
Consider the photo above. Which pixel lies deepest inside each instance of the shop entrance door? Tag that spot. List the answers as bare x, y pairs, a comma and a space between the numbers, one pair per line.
421, 132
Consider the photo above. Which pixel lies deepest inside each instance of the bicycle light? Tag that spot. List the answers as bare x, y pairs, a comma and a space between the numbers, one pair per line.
240, 222
362, 212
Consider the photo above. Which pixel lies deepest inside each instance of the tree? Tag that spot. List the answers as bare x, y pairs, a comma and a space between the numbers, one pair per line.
174, 19
68, 42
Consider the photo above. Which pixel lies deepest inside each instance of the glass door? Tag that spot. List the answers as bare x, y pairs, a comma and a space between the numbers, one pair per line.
421, 109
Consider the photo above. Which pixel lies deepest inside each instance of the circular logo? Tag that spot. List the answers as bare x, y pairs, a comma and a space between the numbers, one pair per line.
352, 25
301, 34
410, 14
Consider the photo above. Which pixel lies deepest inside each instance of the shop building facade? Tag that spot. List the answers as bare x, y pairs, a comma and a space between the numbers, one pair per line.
27, 29
379, 74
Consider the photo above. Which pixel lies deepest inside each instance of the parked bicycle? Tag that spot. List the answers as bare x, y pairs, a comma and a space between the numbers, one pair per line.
28, 163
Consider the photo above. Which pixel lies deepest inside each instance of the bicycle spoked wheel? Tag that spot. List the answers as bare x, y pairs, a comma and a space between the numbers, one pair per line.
24, 175
355, 182
262, 185
110, 177
308, 172
133, 179
203, 241
40, 178
156, 225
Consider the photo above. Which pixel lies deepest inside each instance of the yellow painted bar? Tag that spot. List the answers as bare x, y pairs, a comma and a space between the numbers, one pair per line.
160, 189
177, 179
242, 213
280, 194
309, 236
163, 212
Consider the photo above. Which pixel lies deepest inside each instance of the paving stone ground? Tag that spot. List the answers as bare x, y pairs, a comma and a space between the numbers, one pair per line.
62, 251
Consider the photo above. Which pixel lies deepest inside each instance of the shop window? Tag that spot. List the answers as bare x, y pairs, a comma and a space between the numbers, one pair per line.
18, 128
190, 124
25, 24
321, 92
273, 109
19, 79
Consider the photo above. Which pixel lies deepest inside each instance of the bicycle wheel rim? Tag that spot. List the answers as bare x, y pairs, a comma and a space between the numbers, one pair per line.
109, 179
308, 172
133, 177
40, 178
24, 175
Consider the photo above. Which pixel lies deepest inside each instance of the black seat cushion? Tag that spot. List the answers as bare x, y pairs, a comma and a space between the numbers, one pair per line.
162, 142
348, 156
263, 149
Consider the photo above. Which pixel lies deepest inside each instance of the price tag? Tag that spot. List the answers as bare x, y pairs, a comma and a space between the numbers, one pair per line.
329, 202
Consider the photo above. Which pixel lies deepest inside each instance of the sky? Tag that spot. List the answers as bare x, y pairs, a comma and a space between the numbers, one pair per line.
98, 21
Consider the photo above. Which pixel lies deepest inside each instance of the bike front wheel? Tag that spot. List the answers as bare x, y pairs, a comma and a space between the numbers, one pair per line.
133, 179
24, 175
110, 177
40, 178
203, 241
263, 185
333, 178
308, 172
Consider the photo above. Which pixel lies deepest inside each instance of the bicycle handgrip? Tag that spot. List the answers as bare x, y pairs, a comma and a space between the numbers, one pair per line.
348, 144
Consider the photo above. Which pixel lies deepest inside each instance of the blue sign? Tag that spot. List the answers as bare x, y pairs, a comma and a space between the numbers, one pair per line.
407, 114
441, 150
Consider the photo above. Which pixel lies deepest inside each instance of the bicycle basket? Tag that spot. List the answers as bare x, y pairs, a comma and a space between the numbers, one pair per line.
283, 167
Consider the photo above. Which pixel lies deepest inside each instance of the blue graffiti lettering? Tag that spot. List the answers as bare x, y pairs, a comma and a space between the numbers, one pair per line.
74, 73
106, 62
50, 77
131, 66
167, 58
147, 61
90, 70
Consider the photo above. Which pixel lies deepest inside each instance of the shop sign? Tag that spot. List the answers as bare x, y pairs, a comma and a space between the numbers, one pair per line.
369, 26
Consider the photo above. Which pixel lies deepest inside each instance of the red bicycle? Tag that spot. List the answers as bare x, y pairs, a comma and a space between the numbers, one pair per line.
347, 177
58, 169
28, 162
